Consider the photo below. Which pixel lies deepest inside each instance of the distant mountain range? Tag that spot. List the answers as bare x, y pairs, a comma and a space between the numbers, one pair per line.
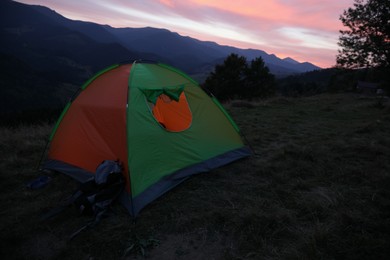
67, 52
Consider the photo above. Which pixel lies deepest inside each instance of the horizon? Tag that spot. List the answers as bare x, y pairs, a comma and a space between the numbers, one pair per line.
298, 29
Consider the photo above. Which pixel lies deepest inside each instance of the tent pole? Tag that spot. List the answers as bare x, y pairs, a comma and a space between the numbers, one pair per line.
42, 155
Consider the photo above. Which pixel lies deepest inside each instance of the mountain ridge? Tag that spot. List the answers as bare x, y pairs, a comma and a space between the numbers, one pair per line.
169, 46
68, 52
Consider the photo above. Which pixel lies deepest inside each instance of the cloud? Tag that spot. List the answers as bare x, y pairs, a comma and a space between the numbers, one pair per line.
306, 30
308, 38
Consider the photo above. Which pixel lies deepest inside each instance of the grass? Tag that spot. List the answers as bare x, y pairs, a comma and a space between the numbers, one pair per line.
317, 188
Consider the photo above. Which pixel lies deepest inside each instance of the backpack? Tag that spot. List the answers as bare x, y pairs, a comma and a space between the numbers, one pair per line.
100, 192
95, 196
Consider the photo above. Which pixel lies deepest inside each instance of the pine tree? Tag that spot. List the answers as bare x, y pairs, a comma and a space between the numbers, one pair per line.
235, 79
259, 82
227, 78
366, 42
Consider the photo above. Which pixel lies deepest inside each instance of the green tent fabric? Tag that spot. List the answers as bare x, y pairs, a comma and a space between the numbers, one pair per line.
184, 132
172, 92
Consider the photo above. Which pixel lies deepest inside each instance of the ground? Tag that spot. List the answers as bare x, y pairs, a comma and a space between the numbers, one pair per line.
316, 187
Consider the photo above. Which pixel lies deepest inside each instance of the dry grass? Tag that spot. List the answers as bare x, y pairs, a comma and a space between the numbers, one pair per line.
317, 188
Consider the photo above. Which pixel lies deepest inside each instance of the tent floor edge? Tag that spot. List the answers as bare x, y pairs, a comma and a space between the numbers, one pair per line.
72, 171
136, 204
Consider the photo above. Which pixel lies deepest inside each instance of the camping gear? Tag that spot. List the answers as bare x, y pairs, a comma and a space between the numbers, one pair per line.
95, 196
153, 118
39, 182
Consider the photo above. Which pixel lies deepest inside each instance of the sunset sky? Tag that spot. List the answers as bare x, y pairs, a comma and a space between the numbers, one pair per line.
305, 30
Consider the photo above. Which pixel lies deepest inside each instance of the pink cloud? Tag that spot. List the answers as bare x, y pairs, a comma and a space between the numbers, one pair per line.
169, 3
306, 30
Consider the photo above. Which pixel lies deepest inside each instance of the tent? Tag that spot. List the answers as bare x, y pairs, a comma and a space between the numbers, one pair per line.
155, 119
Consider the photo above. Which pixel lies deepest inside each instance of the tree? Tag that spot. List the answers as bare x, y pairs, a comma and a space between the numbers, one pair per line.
259, 81
227, 78
366, 42
235, 79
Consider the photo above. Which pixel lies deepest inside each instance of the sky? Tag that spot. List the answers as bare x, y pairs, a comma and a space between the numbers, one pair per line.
305, 30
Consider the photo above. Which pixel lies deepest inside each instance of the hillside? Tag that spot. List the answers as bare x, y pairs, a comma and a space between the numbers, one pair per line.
317, 188
69, 52
184, 52
25, 88
43, 42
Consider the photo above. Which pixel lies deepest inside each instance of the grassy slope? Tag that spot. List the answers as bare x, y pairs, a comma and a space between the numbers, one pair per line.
318, 188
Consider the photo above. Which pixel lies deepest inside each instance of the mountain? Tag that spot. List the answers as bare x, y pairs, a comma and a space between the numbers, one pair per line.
149, 43
47, 42
39, 45
290, 60
24, 88
184, 52
69, 52
182, 49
